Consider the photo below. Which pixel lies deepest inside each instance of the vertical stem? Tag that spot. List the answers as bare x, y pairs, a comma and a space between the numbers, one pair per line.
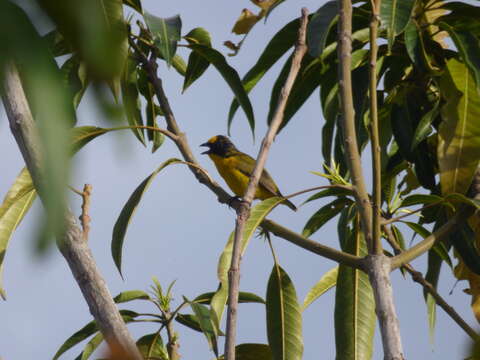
377, 176
347, 119
379, 273
243, 211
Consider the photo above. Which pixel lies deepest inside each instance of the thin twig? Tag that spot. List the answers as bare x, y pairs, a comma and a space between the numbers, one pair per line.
347, 120
426, 244
85, 217
377, 166
244, 211
313, 246
428, 287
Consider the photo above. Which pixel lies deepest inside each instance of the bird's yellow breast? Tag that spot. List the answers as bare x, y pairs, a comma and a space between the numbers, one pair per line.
236, 180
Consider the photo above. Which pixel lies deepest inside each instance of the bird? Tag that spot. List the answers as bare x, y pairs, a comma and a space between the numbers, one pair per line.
235, 167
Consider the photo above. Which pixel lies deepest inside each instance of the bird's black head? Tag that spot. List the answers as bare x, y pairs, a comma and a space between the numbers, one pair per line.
219, 145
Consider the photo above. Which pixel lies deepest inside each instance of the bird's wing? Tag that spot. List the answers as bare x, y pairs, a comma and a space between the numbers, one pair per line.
246, 163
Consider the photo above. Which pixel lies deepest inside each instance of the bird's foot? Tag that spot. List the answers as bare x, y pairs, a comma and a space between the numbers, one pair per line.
233, 200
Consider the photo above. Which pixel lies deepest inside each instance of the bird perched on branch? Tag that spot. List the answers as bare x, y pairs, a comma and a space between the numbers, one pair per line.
235, 167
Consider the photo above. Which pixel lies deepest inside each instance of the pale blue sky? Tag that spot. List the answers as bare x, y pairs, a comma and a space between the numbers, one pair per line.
180, 229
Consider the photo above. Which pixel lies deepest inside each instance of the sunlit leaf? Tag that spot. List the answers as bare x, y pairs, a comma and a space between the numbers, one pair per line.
15, 205
257, 214
243, 297
284, 317
130, 295
354, 307
204, 318
245, 22
326, 282
459, 132
91, 346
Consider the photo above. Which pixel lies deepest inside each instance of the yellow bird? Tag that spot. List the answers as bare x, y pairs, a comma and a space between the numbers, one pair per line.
235, 167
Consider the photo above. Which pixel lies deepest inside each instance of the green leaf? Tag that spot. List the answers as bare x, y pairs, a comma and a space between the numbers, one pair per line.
284, 317
459, 132
88, 330
189, 321
151, 347
251, 351
75, 79
323, 215
91, 346
15, 205
329, 192
275, 49
82, 135
354, 307
468, 47
179, 65
166, 34
130, 295
257, 214
231, 77
126, 215
319, 27
197, 64
206, 323
243, 297
326, 282
421, 199
395, 16
82, 334
131, 99
432, 316
424, 127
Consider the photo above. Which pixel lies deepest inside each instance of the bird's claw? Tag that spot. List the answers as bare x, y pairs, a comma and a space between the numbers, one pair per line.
232, 200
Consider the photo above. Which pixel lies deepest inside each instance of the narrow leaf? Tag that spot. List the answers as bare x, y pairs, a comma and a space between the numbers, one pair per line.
319, 27
323, 215
197, 64
126, 215
151, 347
15, 205
326, 282
284, 317
130, 295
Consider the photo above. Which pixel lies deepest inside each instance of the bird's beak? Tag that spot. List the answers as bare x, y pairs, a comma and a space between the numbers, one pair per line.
207, 145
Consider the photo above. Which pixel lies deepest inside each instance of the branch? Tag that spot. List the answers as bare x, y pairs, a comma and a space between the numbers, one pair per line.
347, 120
244, 211
313, 246
73, 245
423, 246
377, 166
428, 287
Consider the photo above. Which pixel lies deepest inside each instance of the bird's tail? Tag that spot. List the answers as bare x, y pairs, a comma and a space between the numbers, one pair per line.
289, 204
